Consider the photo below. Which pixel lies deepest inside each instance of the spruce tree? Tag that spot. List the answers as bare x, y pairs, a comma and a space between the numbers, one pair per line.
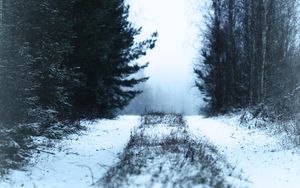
211, 77
106, 54
35, 40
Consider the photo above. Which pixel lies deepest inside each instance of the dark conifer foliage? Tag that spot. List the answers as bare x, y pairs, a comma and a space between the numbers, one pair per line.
211, 78
61, 61
105, 53
251, 56
65, 60
35, 40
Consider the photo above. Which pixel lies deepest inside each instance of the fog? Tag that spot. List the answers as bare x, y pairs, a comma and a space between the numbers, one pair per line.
177, 22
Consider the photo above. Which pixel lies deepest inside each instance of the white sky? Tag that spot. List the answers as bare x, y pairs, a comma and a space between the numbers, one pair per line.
171, 61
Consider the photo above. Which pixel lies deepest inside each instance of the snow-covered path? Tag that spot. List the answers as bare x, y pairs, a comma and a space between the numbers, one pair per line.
264, 162
78, 161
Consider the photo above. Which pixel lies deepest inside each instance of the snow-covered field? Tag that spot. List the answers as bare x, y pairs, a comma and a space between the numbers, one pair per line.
80, 160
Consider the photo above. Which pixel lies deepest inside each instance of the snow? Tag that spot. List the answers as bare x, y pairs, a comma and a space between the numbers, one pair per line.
166, 156
78, 161
259, 153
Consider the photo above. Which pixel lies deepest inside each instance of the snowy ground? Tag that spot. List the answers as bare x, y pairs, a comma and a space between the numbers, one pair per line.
162, 153
259, 154
80, 161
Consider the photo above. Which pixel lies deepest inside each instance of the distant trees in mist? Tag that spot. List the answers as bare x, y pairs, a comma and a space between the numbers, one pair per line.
251, 56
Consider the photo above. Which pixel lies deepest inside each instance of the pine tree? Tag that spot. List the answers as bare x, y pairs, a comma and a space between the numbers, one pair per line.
61, 61
16, 76
210, 74
105, 53
35, 41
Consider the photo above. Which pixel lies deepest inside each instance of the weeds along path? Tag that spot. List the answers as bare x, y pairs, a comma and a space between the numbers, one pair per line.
162, 153
260, 155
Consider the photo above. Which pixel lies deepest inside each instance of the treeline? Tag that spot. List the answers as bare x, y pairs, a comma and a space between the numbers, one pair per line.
60, 62
67, 60
251, 56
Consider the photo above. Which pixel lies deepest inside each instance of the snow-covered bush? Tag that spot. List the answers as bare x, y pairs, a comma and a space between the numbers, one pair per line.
18, 143
15, 148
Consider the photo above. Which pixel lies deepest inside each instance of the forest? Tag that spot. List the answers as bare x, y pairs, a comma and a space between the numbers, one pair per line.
251, 57
64, 61
74, 94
